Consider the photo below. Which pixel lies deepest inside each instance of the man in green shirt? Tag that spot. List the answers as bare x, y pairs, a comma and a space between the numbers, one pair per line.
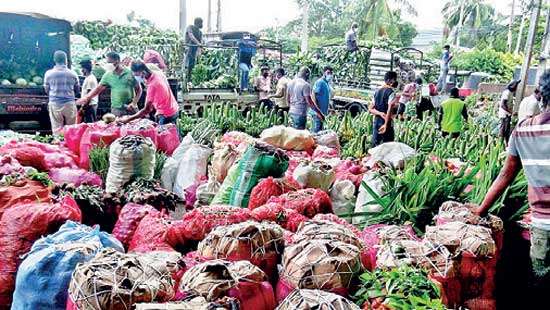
125, 90
453, 114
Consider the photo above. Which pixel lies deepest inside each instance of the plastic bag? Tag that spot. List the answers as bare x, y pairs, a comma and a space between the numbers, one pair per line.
170, 168
153, 57
48, 267
289, 219
288, 138
205, 192
130, 157
327, 138
26, 155
20, 226
168, 138
342, 195
191, 168
222, 161
350, 170
393, 154
75, 177
314, 174
365, 201
325, 152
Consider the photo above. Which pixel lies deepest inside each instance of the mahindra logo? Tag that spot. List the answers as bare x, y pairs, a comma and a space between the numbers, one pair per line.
22, 109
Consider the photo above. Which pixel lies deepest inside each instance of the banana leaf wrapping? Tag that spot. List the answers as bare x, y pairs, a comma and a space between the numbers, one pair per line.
259, 243
114, 280
193, 303
459, 237
318, 264
315, 299
451, 211
433, 257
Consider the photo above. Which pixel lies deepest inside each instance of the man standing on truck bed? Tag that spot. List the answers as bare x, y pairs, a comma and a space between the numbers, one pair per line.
246, 50
159, 96
125, 90
299, 98
351, 38
446, 58
384, 101
193, 39
61, 85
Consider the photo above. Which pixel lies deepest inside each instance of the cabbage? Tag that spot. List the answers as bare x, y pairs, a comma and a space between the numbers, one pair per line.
21, 82
37, 80
6, 83
32, 84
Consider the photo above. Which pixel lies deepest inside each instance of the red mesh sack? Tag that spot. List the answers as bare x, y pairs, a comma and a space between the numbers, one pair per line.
308, 202
350, 170
150, 235
72, 135
372, 236
27, 155
75, 177
26, 191
96, 134
20, 226
289, 219
9, 165
167, 138
144, 128
153, 57
196, 224
266, 189
60, 159
325, 152
128, 220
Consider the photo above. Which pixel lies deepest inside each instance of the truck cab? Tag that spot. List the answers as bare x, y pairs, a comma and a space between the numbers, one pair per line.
28, 42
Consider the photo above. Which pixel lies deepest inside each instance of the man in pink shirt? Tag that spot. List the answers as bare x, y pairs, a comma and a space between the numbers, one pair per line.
159, 96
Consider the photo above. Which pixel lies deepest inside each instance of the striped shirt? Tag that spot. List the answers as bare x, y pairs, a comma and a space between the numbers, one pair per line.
531, 142
61, 84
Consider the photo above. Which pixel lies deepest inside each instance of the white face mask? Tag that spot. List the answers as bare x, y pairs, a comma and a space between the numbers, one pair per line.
109, 67
140, 79
329, 77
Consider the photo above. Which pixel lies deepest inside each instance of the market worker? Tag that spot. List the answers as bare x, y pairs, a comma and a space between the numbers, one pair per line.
351, 38
61, 85
529, 106
299, 99
193, 39
446, 58
89, 111
453, 111
321, 97
505, 110
530, 148
125, 89
246, 50
408, 95
384, 101
280, 97
262, 84
159, 96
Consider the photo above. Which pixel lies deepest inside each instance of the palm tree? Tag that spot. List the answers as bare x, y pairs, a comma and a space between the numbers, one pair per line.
375, 17
472, 13
219, 17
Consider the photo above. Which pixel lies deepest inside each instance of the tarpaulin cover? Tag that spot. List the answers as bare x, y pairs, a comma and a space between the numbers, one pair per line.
259, 161
117, 281
219, 278
24, 191
150, 234
259, 243
289, 219
48, 267
265, 189
196, 224
167, 138
308, 202
75, 177
20, 226
128, 220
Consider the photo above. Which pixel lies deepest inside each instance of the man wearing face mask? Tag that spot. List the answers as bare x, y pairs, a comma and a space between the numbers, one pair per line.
263, 86
125, 89
299, 98
321, 97
159, 96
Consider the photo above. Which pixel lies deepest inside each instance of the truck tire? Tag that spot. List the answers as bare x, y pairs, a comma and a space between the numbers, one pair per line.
355, 108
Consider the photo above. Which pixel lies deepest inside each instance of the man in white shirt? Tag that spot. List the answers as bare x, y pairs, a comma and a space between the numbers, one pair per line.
89, 111
506, 109
529, 106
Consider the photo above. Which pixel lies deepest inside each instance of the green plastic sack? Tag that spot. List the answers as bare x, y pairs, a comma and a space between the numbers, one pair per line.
258, 162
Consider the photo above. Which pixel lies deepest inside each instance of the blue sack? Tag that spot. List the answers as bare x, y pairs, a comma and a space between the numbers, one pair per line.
44, 275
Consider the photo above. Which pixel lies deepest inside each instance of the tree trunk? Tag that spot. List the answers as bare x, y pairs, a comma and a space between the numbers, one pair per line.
535, 12
209, 17
219, 17
460, 23
545, 52
510, 27
305, 28
520, 34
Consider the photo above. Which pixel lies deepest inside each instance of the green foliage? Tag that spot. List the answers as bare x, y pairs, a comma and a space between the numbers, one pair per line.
99, 161
215, 68
404, 287
488, 60
160, 159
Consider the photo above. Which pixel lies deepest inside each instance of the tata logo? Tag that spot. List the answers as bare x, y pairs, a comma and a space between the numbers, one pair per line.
212, 97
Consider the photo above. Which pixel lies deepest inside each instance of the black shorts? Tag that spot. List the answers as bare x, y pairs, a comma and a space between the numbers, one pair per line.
505, 127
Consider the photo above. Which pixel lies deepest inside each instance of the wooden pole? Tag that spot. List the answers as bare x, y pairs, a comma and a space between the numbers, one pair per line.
183, 17
535, 12
510, 27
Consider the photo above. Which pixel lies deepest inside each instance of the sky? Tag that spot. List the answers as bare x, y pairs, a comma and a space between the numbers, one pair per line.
250, 15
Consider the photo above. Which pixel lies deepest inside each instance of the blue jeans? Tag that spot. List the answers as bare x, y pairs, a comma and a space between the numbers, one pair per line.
379, 138
317, 123
244, 75
298, 121
163, 120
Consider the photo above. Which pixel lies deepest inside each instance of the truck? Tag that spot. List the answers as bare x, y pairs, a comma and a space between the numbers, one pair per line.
28, 41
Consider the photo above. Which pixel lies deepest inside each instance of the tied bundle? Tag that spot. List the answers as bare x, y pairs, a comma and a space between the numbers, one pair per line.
315, 299
459, 237
114, 280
